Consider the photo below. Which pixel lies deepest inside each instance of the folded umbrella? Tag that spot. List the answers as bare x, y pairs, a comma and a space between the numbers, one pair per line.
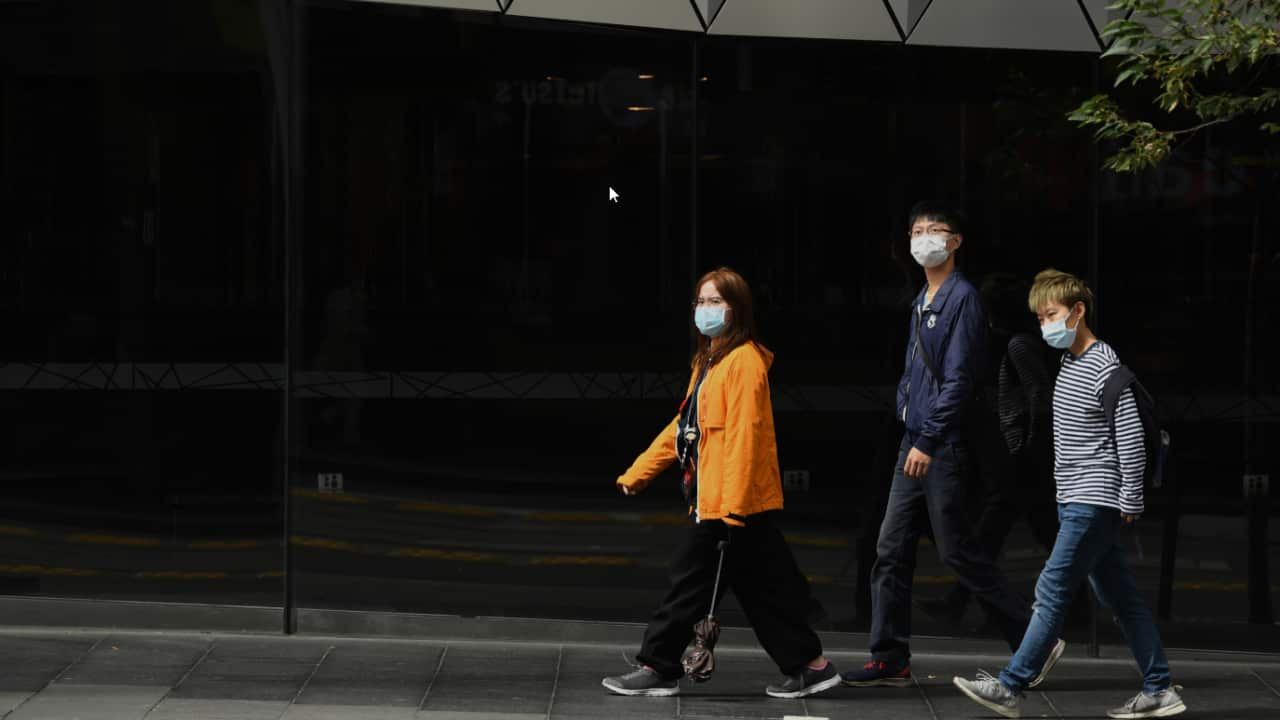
699, 661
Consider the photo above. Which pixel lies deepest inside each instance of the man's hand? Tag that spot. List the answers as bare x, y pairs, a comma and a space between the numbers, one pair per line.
1128, 519
917, 464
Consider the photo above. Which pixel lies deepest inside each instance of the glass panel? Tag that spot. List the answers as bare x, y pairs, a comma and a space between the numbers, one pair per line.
483, 317
1191, 297
143, 303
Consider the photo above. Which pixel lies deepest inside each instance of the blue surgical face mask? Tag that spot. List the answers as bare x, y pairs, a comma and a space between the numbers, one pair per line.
710, 320
1058, 335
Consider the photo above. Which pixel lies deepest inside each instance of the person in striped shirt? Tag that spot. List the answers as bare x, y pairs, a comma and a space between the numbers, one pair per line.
1098, 475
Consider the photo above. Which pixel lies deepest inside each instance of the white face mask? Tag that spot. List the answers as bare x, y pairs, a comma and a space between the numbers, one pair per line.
929, 250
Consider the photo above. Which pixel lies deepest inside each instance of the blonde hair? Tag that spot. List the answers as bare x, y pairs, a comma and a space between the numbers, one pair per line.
1054, 286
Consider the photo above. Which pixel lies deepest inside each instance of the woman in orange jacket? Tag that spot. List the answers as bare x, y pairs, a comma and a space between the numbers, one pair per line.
723, 440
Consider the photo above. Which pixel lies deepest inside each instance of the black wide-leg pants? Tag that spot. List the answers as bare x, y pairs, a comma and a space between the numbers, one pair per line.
762, 573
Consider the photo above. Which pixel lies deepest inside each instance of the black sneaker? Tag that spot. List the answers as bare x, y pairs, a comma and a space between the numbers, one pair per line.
641, 681
806, 682
879, 673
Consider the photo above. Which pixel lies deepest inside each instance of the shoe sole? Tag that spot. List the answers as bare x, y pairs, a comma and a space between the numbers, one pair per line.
648, 692
1170, 711
806, 692
880, 682
1054, 655
1007, 712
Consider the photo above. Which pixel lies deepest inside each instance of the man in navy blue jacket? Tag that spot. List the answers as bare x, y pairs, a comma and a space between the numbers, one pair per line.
944, 355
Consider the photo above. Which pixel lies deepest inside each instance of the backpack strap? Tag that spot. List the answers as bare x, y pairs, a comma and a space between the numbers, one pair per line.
928, 361
1120, 379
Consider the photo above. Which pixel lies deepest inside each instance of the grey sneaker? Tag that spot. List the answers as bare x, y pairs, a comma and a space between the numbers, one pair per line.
806, 682
990, 693
1049, 662
641, 681
1165, 703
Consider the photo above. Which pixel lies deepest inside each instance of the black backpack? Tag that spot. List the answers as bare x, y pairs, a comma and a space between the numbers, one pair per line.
1155, 439
1014, 404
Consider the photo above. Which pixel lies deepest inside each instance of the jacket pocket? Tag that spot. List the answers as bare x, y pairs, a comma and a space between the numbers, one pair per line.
711, 410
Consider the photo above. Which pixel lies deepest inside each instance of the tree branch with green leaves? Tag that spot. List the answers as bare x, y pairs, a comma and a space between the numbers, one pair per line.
1205, 60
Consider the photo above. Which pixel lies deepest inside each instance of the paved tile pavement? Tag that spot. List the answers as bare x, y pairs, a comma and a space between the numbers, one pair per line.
52, 674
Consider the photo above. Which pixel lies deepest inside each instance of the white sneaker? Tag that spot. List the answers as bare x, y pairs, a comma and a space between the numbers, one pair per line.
990, 693
1165, 703
1049, 662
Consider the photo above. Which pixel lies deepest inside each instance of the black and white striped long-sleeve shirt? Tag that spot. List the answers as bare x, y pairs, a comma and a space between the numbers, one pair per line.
1089, 466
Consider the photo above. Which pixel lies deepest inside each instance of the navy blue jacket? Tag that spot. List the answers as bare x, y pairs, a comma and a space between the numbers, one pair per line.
953, 330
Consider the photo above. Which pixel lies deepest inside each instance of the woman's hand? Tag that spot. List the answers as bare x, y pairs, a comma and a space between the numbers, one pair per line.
1129, 519
627, 489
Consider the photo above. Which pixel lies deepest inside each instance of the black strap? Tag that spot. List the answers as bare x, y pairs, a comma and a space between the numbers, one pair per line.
1121, 378
715, 589
928, 361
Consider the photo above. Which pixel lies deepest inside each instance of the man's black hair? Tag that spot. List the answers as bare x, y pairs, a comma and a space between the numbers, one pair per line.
935, 212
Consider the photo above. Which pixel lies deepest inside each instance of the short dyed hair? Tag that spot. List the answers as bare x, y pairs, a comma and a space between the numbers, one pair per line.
1055, 286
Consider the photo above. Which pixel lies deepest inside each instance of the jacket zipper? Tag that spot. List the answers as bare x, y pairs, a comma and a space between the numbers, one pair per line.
702, 439
914, 347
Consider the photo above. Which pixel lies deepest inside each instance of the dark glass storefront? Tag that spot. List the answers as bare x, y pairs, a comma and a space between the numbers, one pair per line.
326, 305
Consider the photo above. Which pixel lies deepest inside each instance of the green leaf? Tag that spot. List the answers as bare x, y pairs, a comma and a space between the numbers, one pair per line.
1181, 49
1118, 47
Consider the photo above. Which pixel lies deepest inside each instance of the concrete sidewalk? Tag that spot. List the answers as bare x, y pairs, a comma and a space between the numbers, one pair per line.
54, 674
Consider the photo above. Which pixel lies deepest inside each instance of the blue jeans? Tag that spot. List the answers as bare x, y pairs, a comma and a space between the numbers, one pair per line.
1088, 545
937, 500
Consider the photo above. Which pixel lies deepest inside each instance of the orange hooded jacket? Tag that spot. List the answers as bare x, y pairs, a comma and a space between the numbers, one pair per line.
737, 452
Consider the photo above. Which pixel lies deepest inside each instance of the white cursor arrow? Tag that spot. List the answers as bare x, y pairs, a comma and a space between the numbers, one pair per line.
613, 195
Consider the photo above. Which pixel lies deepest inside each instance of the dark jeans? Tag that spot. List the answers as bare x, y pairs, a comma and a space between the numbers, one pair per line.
936, 499
762, 573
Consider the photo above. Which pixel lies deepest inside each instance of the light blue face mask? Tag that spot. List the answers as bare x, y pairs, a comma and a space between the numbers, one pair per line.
710, 320
1058, 335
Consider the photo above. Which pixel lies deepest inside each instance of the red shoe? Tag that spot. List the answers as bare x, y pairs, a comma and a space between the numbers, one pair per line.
878, 673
